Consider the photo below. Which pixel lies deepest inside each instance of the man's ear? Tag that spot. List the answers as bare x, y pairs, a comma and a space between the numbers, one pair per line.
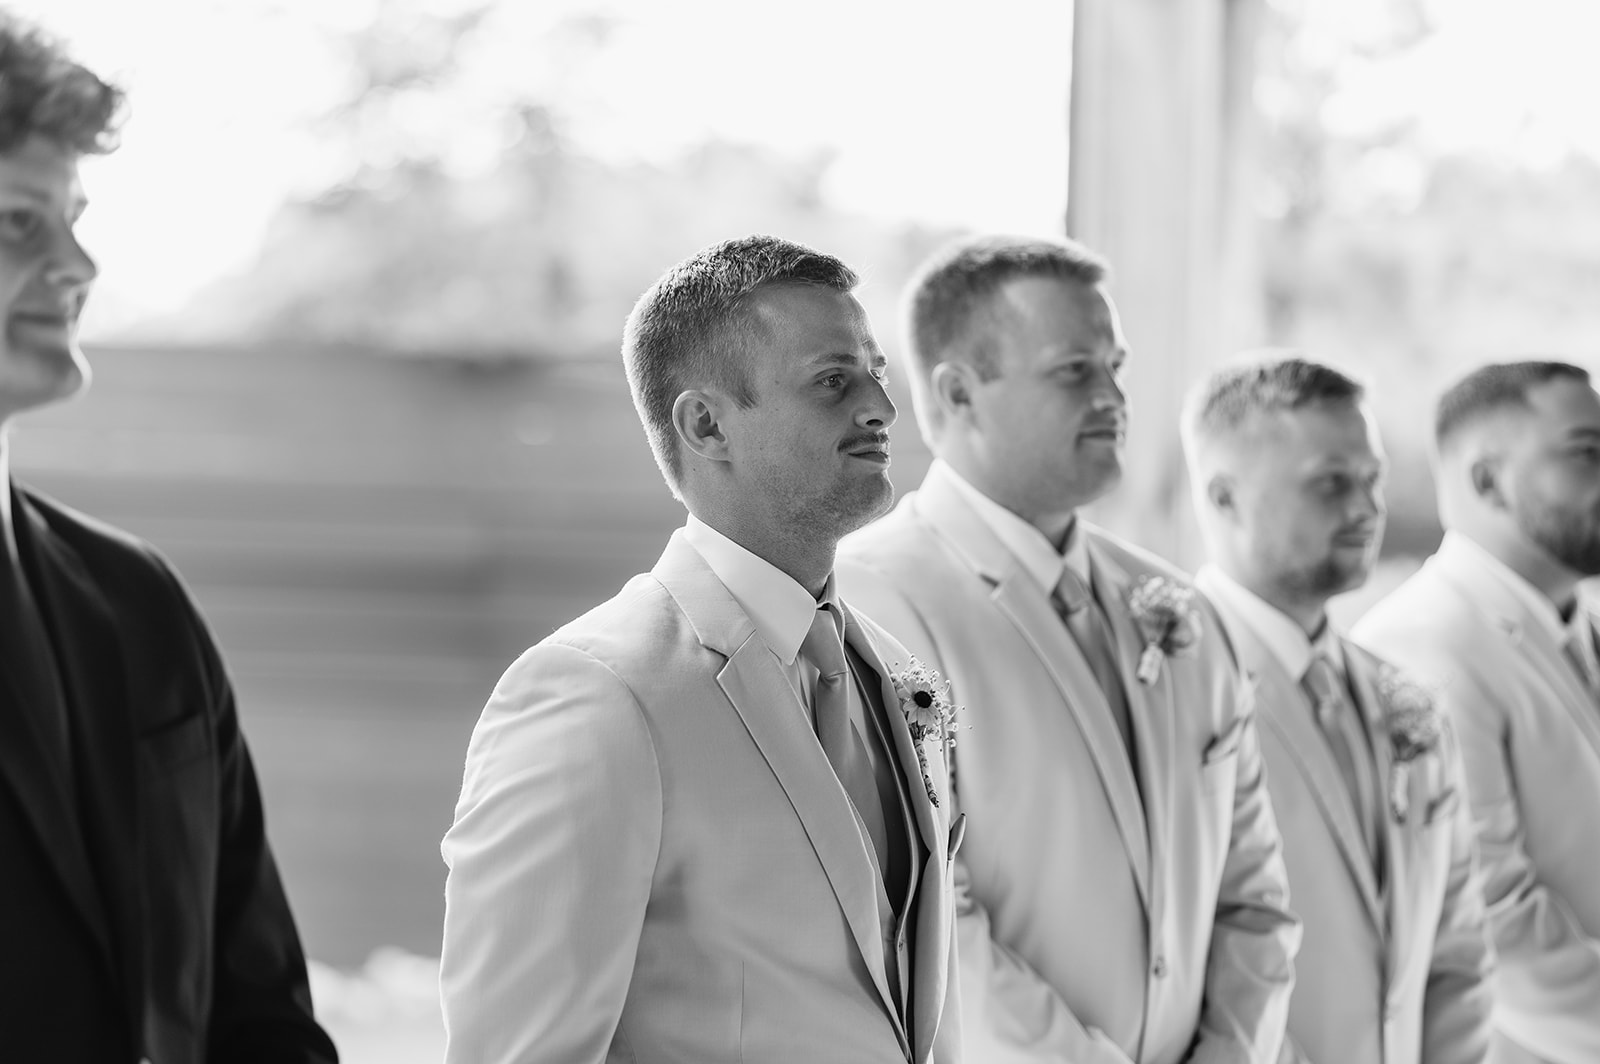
1484, 474
1220, 493
697, 418
951, 385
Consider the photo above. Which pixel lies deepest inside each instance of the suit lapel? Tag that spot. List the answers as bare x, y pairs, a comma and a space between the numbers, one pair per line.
1398, 839
89, 652
1482, 590
1285, 710
1024, 604
44, 796
776, 720
933, 915
1151, 709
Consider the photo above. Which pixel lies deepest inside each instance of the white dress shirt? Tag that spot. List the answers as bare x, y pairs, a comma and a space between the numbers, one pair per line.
1039, 557
1282, 634
1535, 601
776, 604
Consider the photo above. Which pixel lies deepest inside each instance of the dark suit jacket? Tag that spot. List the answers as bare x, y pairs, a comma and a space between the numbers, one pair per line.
142, 916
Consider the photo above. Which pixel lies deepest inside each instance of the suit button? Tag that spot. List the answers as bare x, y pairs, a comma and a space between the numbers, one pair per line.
1159, 968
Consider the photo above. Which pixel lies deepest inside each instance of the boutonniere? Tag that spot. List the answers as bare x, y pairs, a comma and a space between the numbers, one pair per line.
1164, 611
1415, 729
930, 713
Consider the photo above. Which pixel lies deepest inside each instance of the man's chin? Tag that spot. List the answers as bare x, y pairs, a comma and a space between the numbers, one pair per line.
875, 499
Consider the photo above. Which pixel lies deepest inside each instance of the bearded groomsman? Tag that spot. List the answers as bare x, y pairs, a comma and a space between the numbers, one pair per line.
1125, 896
696, 823
1493, 621
1287, 472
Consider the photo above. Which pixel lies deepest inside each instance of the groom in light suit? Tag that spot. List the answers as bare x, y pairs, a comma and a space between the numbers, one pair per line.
1493, 620
1124, 890
1287, 473
695, 825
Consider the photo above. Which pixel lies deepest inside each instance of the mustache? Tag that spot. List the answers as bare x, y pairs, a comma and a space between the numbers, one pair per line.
1364, 530
1114, 423
876, 440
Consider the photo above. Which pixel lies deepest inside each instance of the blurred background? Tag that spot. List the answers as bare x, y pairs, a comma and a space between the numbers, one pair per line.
365, 265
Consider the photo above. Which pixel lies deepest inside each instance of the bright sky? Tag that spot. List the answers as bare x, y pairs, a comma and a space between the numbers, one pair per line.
223, 91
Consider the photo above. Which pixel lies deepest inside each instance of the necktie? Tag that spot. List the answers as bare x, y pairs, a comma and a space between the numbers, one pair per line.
1338, 718
840, 740
1091, 630
1580, 650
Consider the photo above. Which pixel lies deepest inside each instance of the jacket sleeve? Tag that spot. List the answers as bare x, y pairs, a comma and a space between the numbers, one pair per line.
1459, 1000
261, 998
1250, 969
1547, 985
550, 862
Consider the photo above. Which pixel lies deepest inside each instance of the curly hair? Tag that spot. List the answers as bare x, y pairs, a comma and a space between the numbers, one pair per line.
45, 93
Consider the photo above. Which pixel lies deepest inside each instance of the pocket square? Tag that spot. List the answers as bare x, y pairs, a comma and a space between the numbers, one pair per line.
1442, 805
1225, 742
958, 831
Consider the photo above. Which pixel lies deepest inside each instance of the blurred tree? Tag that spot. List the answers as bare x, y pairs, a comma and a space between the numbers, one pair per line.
467, 224
1409, 262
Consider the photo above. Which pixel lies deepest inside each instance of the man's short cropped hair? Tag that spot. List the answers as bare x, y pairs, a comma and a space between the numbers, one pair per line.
691, 328
1492, 389
44, 93
948, 304
1225, 401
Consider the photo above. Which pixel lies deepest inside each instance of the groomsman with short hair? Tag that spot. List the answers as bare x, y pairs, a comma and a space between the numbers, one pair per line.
709, 820
1287, 473
1493, 620
1124, 896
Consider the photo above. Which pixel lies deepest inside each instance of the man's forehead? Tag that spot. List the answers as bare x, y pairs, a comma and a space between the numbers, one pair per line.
40, 171
1549, 412
1312, 433
1568, 399
813, 308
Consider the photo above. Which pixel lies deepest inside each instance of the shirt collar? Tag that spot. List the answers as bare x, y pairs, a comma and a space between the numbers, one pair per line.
1534, 601
1038, 556
1282, 635
776, 604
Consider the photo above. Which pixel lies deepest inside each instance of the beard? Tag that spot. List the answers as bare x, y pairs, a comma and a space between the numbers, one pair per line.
813, 513
1569, 535
1324, 578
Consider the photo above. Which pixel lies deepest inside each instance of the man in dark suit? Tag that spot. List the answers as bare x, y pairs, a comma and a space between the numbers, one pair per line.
141, 913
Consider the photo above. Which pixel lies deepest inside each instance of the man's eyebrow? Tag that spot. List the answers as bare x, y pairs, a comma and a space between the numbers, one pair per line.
847, 358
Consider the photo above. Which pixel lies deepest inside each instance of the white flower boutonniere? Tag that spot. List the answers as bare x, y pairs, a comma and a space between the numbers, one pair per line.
1415, 729
1164, 611
930, 713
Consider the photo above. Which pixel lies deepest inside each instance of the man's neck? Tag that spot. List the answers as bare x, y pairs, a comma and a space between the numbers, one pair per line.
1054, 524
807, 563
1310, 614
1534, 564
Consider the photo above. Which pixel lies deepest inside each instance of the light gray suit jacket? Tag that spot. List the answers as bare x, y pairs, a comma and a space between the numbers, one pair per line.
1530, 739
1397, 974
1097, 925
653, 861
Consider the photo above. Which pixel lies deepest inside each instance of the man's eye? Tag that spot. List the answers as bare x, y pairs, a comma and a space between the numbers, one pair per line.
18, 225
833, 380
1333, 486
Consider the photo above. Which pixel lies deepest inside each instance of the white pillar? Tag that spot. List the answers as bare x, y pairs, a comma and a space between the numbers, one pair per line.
1161, 149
